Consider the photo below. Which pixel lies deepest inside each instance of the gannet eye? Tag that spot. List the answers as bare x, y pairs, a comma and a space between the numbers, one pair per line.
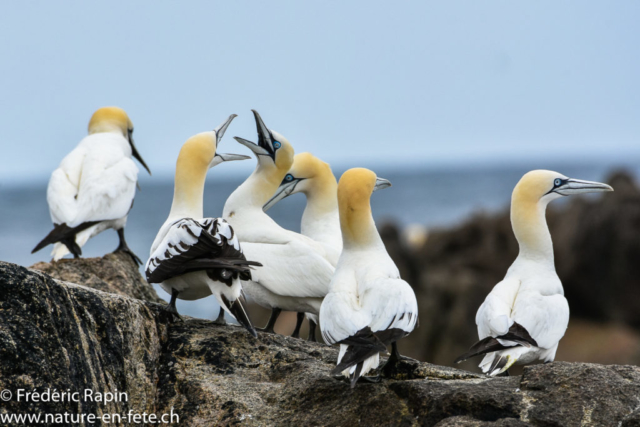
289, 177
557, 182
276, 145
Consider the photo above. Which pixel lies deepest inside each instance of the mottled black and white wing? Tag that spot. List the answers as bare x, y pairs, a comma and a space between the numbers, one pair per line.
209, 245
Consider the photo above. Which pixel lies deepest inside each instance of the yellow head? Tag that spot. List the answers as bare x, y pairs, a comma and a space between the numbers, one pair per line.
283, 153
354, 202
308, 167
530, 198
110, 119
275, 157
197, 155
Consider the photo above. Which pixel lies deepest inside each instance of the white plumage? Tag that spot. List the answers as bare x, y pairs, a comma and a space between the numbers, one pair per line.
95, 182
93, 188
320, 220
193, 257
196, 258
296, 272
525, 315
369, 306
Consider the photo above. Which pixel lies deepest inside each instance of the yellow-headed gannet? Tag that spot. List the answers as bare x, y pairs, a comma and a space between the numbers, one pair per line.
525, 315
368, 306
296, 272
320, 221
193, 257
93, 188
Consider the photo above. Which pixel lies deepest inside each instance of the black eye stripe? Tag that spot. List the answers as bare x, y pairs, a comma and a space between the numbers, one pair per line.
559, 182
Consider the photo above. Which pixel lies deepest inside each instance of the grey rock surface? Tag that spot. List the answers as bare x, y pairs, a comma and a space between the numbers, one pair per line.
69, 337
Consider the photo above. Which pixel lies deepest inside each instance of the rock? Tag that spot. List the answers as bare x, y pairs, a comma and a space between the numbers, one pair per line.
115, 273
62, 336
54, 334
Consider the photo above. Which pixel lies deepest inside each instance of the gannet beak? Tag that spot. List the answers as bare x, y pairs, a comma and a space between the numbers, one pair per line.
219, 158
258, 151
220, 130
135, 154
285, 190
241, 316
576, 186
264, 147
381, 183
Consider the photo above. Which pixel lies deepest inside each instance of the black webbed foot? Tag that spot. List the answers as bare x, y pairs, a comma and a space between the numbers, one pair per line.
275, 312
388, 368
171, 309
312, 331
220, 320
299, 320
123, 247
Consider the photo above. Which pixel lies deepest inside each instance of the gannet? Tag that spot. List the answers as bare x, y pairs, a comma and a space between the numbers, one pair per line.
525, 315
93, 188
313, 177
368, 306
193, 257
296, 272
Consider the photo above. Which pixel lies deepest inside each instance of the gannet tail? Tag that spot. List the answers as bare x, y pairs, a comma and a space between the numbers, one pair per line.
517, 335
498, 362
64, 234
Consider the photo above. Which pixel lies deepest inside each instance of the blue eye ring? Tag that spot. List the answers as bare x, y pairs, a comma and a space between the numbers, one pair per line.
276, 145
288, 177
557, 182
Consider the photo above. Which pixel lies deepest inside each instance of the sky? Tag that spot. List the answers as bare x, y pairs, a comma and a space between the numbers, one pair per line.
358, 83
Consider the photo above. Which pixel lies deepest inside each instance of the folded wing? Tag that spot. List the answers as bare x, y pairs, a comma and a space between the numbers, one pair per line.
189, 245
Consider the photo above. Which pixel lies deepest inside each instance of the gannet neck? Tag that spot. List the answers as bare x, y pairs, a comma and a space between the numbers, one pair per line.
322, 196
258, 188
192, 165
530, 226
110, 119
359, 231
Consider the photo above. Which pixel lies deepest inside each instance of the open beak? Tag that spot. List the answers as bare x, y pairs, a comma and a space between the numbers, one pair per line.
576, 186
219, 158
381, 183
220, 130
264, 147
136, 155
285, 190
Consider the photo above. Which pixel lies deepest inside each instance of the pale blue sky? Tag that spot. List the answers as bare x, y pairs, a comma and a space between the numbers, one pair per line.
357, 83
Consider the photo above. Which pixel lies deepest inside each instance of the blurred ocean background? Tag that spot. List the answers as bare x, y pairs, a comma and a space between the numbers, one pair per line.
429, 197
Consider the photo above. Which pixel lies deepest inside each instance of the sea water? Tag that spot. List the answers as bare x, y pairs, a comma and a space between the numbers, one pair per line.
433, 198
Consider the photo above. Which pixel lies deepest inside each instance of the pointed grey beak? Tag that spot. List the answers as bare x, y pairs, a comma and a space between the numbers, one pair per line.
265, 139
576, 186
240, 314
219, 158
135, 154
284, 191
265, 146
220, 130
258, 151
381, 183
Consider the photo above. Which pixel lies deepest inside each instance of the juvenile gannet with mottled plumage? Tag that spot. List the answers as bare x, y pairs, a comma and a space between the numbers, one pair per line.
320, 220
525, 315
296, 272
368, 306
93, 188
193, 257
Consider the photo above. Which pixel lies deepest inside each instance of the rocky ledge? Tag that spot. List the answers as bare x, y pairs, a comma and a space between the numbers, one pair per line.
65, 337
